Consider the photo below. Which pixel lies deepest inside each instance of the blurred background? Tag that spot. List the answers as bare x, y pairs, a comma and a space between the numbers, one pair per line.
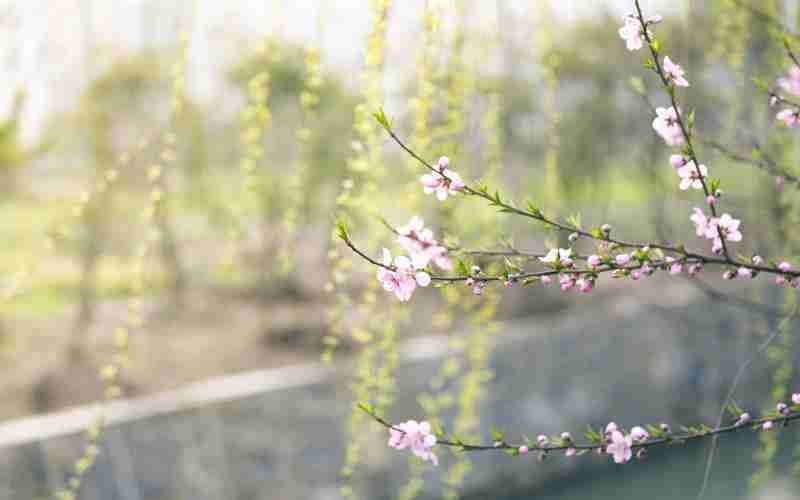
177, 321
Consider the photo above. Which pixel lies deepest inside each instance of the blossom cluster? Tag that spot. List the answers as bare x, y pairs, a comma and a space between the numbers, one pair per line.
402, 274
790, 85
716, 229
417, 437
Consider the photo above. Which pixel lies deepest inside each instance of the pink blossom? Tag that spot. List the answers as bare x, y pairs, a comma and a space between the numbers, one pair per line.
728, 275
694, 269
631, 32
620, 447
785, 266
675, 268
542, 440
557, 257
782, 408
418, 241
416, 436
443, 182
791, 85
403, 279
769, 424
677, 161
727, 227
701, 222
744, 419
639, 434
711, 199
789, 117
796, 398
622, 259
566, 281
674, 73
611, 427
691, 176
546, 280
744, 272
635, 275
523, 450
646, 269
478, 287
585, 285
571, 452
594, 260
667, 126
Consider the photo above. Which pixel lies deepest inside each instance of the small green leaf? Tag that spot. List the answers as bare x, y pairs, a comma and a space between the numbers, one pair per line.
341, 231
656, 45
367, 408
380, 116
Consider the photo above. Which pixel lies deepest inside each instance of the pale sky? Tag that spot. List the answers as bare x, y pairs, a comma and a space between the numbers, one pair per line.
53, 47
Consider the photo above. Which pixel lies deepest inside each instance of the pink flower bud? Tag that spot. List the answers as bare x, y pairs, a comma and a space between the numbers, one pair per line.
695, 269
785, 266
675, 268
711, 199
796, 398
573, 237
443, 162
744, 419
523, 450
546, 280
594, 260
611, 427
728, 275
646, 269
566, 436
571, 452
542, 440
470, 282
768, 425
744, 272
782, 408
585, 285
639, 434
677, 161
779, 182
508, 284
622, 259
635, 275
758, 260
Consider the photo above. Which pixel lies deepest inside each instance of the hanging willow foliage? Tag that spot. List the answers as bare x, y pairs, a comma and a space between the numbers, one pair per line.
371, 327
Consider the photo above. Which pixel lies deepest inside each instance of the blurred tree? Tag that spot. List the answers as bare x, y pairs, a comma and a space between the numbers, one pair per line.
327, 145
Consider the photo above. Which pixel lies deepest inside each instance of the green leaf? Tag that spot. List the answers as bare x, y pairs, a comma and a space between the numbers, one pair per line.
497, 436
380, 116
690, 120
533, 209
341, 231
367, 408
656, 45
462, 268
575, 220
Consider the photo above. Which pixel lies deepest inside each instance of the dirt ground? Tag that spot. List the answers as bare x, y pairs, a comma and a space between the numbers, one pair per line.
214, 333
